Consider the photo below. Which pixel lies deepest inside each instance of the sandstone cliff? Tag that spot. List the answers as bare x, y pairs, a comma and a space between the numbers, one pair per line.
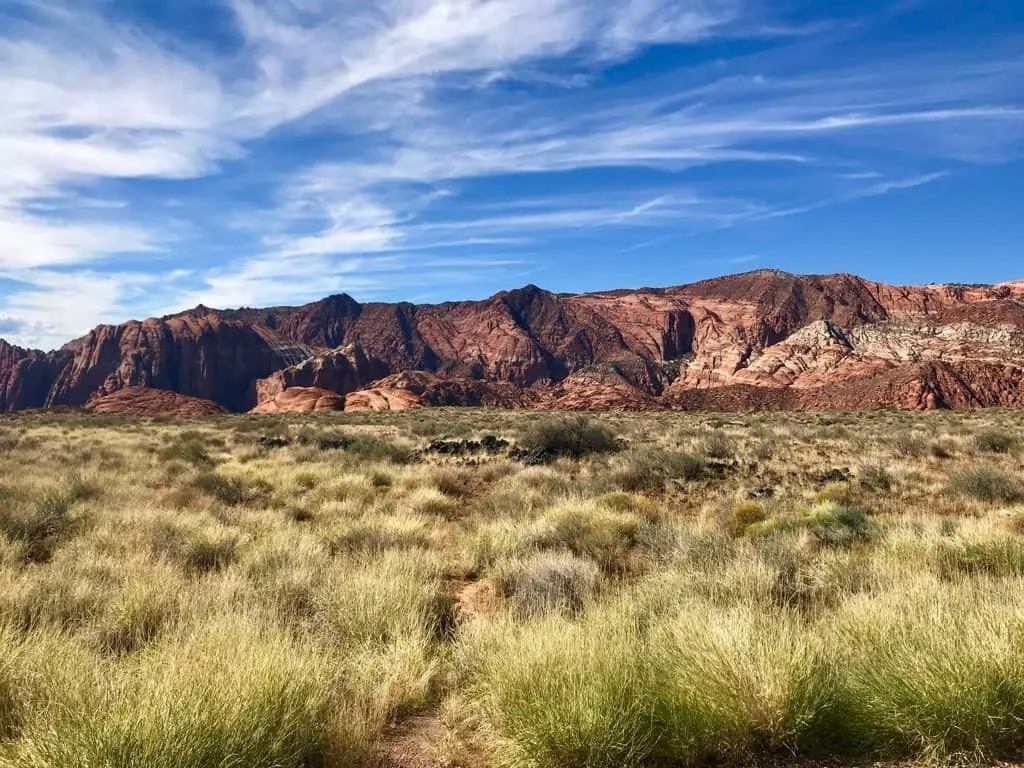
757, 340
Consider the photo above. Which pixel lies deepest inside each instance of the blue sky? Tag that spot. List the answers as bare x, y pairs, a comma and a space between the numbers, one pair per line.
157, 155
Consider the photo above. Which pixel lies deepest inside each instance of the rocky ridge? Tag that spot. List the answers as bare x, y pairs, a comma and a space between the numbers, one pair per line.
763, 339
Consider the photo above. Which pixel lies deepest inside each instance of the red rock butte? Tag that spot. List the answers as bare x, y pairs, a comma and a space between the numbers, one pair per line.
760, 340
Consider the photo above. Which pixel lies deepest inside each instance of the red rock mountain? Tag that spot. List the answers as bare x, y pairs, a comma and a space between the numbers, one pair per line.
763, 339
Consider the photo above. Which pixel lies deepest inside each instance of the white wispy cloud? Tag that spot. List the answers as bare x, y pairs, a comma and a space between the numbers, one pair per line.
432, 97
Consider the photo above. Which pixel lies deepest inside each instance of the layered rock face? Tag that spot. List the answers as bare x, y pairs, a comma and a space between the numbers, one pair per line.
763, 339
301, 400
145, 401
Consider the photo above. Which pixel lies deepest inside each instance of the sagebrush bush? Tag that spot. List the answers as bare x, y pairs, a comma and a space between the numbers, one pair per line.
986, 483
571, 437
717, 445
995, 441
190, 450
550, 582
232, 491
843, 527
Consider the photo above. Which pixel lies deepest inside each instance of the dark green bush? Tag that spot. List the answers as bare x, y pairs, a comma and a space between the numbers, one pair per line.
191, 450
574, 437
375, 449
232, 491
843, 527
364, 446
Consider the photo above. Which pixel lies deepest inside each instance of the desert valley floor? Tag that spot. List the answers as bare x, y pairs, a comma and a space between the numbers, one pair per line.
491, 588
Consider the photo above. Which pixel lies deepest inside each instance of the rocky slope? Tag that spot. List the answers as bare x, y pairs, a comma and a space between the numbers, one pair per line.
762, 339
145, 401
301, 400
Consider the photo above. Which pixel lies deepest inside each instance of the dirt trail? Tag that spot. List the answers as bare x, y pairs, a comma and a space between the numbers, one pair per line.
413, 743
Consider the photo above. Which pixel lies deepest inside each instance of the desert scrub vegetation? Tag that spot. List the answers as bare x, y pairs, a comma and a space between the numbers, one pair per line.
481, 588
571, 437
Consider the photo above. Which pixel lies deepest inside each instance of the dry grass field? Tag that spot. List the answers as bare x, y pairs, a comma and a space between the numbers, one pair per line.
621, 590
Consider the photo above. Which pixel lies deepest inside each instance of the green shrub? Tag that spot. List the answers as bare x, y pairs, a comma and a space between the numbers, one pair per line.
576, 696
648, 469
986, 483
371, 448
743, 516
191, 450
357, 606
738, 683
136, 618
573, 437
910, 446
232, 491
995, 441
875, 477
358, 445
717, 445
843, 527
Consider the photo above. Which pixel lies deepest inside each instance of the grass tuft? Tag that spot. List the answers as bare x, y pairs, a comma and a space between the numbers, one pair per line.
986, 483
